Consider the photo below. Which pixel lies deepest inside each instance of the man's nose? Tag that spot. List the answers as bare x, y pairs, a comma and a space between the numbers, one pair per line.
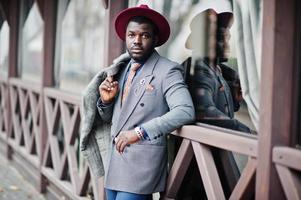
137, 39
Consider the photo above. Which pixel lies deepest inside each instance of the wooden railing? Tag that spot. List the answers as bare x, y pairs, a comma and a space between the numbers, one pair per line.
197, 141
63, 163
24, 138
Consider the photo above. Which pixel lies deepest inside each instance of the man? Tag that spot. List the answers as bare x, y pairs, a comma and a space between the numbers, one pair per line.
144, 97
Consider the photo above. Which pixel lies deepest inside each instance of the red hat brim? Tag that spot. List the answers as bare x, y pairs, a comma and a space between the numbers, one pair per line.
159, 20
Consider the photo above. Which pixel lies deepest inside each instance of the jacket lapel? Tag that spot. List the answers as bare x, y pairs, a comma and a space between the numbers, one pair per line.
137, 90
117, 106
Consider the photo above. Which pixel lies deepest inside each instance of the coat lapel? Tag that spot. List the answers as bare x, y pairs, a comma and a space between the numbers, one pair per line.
137, 90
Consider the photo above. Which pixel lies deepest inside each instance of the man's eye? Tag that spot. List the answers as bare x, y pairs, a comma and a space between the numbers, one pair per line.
146, 36
130, 35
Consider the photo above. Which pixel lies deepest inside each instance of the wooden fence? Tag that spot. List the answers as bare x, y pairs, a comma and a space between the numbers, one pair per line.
56, 157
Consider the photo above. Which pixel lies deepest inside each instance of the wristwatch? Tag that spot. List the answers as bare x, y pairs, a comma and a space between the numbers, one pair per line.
139, 132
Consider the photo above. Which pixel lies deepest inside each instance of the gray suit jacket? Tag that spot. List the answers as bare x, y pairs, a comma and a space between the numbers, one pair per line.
142, 168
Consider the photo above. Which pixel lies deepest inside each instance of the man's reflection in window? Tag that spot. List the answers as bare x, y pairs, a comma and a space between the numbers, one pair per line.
216, 86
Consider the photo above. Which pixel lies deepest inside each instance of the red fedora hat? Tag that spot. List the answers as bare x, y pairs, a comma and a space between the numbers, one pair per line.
159, 20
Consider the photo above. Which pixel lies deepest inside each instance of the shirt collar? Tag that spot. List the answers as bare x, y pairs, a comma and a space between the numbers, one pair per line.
140, 62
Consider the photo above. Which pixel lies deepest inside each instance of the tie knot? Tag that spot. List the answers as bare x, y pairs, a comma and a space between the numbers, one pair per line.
135, 66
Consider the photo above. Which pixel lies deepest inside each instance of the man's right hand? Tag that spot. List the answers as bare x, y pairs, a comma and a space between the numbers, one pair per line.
108, 90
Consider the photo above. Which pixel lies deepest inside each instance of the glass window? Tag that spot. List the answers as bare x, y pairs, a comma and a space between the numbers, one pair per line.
80, 44
200, 34
32, 42
4, 48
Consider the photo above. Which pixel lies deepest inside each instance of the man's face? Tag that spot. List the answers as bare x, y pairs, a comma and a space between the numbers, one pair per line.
222, 43
140, 40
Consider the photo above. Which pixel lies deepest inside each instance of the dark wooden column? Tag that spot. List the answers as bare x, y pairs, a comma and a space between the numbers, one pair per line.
296, 138
13, 21
50, 18
277, 91
13, 8
113, 45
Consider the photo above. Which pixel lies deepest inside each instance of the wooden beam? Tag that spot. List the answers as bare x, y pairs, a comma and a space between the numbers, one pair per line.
113, 45
245, 187
290, 183
288, 157
25, 85
208, 171
179, 169
276, 105
63, 96
220, 138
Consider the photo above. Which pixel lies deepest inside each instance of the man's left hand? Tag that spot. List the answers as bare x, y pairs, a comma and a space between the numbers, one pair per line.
125, 138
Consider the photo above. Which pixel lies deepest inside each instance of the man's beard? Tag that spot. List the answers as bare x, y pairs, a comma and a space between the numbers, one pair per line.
142, 57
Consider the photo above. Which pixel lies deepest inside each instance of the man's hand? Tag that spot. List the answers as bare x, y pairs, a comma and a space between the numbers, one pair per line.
125, 138
108, 90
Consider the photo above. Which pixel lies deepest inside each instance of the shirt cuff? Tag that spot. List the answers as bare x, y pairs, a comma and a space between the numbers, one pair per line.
100, 104
145, 135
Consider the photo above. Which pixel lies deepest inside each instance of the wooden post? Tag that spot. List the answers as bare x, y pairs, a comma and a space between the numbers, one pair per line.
113, 45
50, 18
13, 21
277, 92
296, 138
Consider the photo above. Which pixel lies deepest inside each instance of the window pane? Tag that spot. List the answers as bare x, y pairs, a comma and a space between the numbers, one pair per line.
198, 34
32, 46
4, 48
81, 50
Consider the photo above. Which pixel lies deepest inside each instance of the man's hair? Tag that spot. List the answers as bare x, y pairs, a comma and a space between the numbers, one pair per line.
145, 20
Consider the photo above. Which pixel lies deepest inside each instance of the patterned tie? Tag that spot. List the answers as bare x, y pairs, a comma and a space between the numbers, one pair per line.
127, 86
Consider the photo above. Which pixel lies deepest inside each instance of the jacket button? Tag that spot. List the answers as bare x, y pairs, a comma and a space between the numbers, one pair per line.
155, 137
141, 104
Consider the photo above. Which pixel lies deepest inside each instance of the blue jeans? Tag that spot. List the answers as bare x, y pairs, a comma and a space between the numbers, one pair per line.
119, 195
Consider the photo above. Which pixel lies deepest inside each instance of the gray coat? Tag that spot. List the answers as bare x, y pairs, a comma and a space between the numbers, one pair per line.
95, 133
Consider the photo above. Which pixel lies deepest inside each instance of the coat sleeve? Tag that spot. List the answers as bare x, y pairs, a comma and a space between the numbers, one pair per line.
181, 109
105, 111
